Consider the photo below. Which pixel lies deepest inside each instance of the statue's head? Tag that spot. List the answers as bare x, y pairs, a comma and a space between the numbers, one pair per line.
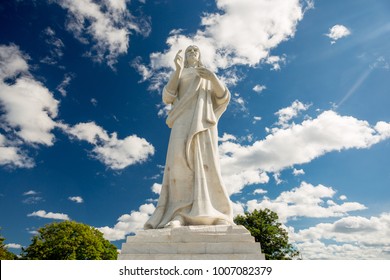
192, 56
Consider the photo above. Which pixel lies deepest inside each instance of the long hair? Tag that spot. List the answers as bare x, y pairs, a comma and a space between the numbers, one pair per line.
200, 64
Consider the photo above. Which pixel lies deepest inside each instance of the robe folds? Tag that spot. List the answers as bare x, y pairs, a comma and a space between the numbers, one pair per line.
192, 188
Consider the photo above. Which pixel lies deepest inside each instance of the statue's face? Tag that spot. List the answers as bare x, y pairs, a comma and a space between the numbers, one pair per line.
192, 53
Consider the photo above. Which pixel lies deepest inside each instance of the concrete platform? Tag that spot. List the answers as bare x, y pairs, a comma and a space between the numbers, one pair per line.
192, 243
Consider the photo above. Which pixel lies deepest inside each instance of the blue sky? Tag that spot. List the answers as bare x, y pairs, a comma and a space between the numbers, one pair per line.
306, 134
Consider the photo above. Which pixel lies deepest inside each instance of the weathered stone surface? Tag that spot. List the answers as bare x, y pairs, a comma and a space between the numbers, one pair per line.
192, 243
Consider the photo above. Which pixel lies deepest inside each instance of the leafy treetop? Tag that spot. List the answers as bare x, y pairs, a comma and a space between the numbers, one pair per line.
266, 229
69, 240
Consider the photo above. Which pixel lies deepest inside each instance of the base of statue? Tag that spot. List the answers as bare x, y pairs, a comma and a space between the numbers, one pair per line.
192, 243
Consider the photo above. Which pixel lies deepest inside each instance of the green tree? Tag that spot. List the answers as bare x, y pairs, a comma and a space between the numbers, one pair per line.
265, 228
4, 253
69, 240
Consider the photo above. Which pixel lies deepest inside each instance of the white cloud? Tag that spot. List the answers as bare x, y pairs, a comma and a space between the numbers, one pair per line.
77, 199
29, 107
106, 23
338, 31
13, 156
238, 105
49, 215
143, 70
128, 223
240, 33
230, 77
56, 50
33, 200
89, 132
383, 129
240, 101
156, 188
30, 192
318, 250
118, 154
236, 179
298, 144
305, 201
113, 152
227, 137
13, 246
297, 172
380, 62
62, 86
343, 197
32, 197
12, 61
277, 179
256, 119
276, 61
356, 237
94, 102
288, 113
238, 208
259, 191
259, 88
163, 110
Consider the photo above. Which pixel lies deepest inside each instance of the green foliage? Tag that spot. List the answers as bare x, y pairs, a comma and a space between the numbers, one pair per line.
69, 240
4, 253
265, 228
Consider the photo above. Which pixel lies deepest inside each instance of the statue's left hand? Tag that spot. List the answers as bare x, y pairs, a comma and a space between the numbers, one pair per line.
218, 88
205, 73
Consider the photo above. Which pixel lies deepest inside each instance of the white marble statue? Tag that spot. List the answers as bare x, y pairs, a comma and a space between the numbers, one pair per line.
193, 192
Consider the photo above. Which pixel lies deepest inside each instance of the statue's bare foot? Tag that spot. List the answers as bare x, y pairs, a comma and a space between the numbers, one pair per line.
221, 222
176, 222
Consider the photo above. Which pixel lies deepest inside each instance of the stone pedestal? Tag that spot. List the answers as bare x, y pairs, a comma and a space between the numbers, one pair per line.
192, 243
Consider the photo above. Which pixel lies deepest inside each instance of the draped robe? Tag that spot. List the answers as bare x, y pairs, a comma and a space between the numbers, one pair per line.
192, 186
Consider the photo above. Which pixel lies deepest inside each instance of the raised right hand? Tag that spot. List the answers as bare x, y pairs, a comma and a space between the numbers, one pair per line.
179, 62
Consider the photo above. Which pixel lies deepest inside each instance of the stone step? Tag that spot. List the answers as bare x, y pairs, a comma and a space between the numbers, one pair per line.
257, 256
192, 242
191, 248
193, 234
191, 238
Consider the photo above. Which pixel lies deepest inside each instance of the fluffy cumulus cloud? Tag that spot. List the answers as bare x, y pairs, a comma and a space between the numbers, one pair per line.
352, 237
338, 31
288, 113
13, 156
226, 137
240, 33
306, 201
113, 152
128, 223
27, 107
30, 109
28, 112
297, 144
235, 180
156, 188
49, 215
105, 23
